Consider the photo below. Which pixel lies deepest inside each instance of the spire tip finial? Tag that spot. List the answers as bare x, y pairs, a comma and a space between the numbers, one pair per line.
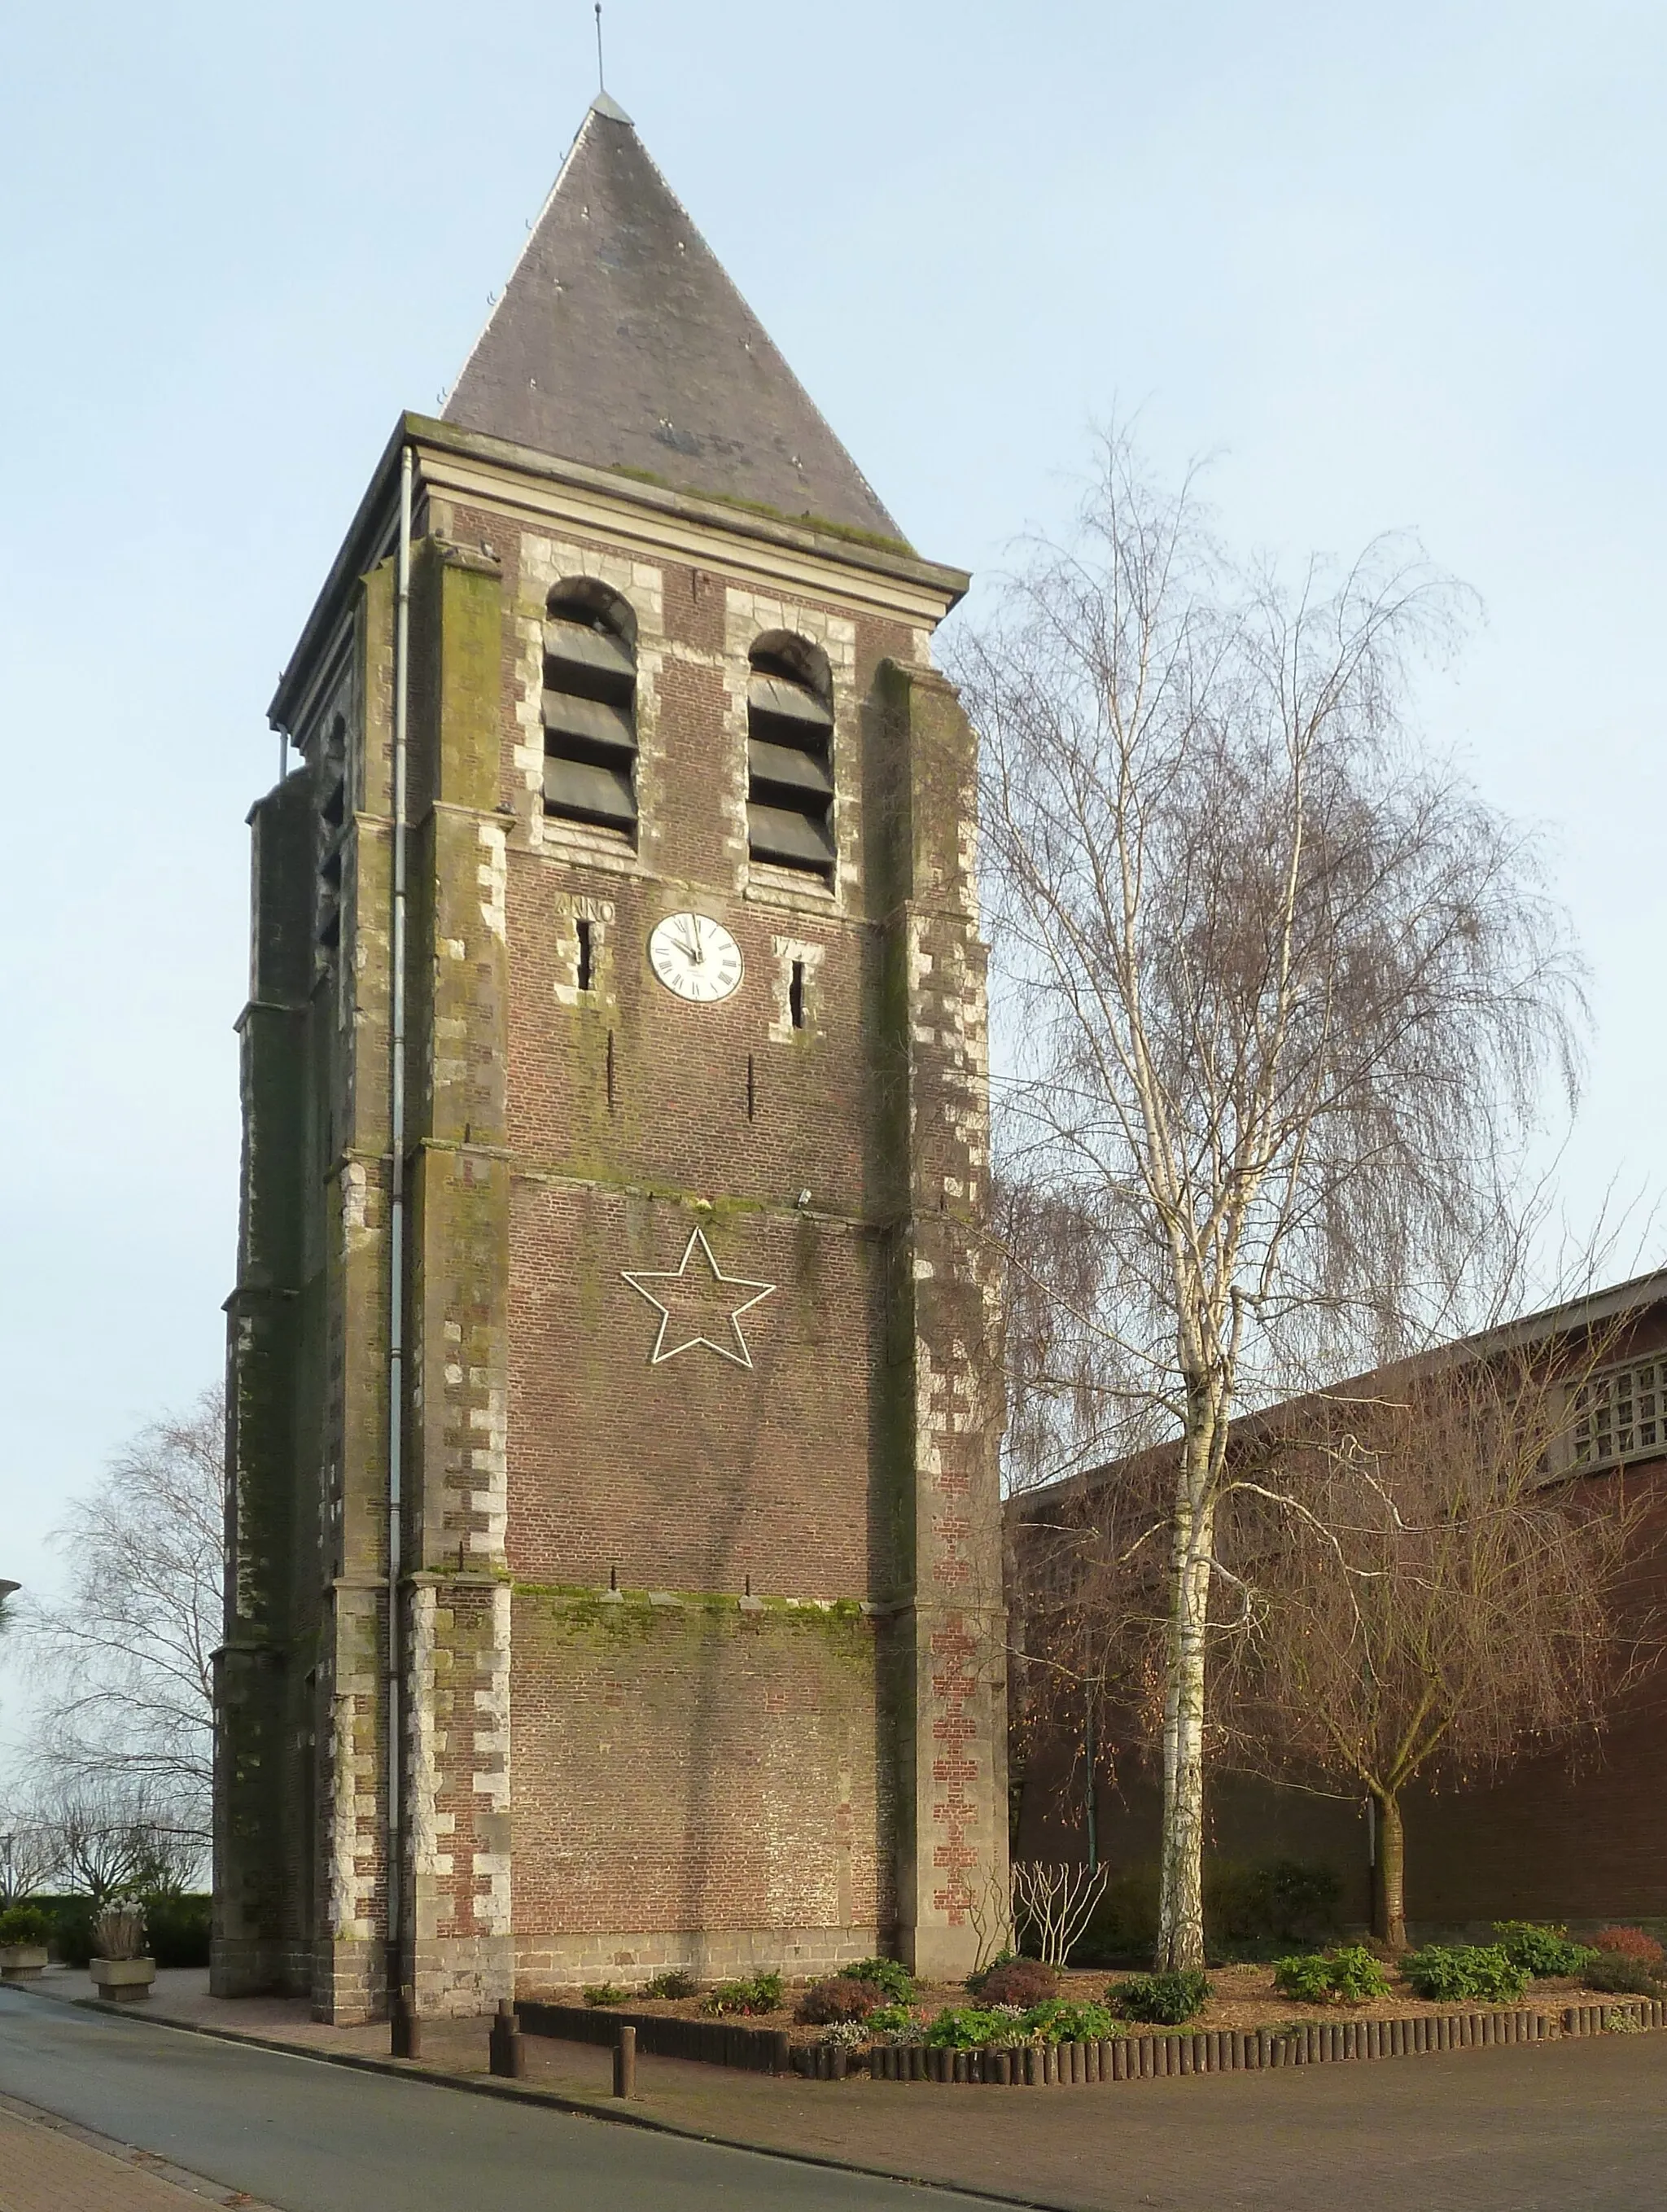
601, 81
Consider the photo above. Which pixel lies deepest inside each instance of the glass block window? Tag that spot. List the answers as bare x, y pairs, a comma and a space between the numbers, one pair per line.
1622, 1415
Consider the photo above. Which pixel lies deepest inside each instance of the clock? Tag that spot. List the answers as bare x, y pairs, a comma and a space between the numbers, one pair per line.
694, 957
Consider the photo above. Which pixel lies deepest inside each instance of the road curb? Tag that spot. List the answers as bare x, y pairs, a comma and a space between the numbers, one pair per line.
518, 2093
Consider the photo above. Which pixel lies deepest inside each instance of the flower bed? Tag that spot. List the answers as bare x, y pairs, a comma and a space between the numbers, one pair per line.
1023, 2024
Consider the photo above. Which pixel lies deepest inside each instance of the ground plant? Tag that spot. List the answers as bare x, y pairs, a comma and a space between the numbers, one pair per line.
673, 1984
842, 1996
1062, 2021
762, 1993
971, 2027
1019, 1982
1165, 2000
1629, 1943
894, 2024
1543, 1952
1347, 1975
890, 1975
1617, 1976
1445, 1973
605, 1993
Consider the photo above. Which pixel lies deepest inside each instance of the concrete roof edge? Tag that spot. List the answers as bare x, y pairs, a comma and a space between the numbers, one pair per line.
365, 533
1585, 1311
859, 549
356, 554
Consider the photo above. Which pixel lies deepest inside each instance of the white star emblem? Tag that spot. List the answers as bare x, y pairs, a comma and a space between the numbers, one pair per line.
690, 1302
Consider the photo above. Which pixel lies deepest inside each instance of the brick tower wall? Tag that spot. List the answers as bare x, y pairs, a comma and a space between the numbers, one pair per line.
701, 1660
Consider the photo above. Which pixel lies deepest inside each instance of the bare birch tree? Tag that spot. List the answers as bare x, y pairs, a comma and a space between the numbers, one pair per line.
1448, 1597
1280, 993
124, 1662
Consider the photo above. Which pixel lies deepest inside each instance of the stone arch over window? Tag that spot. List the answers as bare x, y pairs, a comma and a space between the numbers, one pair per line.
590, 706
789, 754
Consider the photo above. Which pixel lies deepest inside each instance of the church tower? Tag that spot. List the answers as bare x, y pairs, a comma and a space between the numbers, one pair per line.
613, 1559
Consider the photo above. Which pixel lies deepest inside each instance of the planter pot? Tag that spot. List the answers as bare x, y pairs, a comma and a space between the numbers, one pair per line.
21, 1962
124, 1979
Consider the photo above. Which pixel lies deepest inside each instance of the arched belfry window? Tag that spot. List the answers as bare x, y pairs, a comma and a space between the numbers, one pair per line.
590, 707
790, 756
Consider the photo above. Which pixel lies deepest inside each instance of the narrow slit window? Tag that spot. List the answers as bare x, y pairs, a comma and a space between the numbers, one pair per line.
332, 769
795, 994
790, 758
586, 971
589, 709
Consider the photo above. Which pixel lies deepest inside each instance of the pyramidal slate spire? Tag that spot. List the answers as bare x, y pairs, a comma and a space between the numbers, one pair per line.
620, 341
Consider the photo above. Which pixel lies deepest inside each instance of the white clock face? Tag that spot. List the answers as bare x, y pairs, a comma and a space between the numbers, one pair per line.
695, 956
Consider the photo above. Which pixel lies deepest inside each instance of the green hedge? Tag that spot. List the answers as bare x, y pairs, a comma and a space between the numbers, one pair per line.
177, 1928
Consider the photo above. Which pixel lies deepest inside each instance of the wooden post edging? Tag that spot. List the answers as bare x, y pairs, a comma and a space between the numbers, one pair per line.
1237, 2050
665, 2035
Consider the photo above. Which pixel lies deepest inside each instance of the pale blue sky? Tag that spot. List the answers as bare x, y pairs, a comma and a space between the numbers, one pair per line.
1397, 268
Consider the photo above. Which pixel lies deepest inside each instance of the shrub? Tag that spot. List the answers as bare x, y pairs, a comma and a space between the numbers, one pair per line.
1541, 1951
1349, 1975
605, 1993
1446, 1972
1168, 2000
894, 2024
675, 1982
979, 1975
762, 1994
1629, 1943
1022, 1982
24, 1923
843, 2034
843, 1997
890, 1975
1618, 1977
1062, 2021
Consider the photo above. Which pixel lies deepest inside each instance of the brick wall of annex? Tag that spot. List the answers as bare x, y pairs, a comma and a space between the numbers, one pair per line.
1572, 1835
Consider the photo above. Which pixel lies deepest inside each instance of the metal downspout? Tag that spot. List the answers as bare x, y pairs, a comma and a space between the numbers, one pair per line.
397, 1242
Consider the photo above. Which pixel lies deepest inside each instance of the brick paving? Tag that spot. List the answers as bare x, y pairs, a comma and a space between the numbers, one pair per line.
1577, 2126
45, 2166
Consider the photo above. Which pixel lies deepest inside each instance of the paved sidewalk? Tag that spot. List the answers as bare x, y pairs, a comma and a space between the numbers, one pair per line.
45, 2165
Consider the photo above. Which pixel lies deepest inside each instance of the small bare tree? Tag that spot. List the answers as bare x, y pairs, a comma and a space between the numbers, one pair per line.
124, 1662
1280, 996
112, 1834
1438, 1592
1054, 1903
29, 1858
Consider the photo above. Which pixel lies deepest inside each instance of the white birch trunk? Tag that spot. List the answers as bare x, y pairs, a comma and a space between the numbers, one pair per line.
1180, 1887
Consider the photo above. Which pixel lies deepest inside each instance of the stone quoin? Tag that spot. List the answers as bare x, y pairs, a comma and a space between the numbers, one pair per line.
695, 1656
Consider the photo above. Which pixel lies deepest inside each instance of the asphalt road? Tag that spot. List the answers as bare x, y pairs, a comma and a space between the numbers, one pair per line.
316, 2138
